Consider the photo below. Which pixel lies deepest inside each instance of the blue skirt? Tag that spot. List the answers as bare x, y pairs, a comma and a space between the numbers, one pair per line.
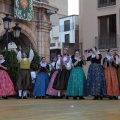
41, 85
76, 83
96, 84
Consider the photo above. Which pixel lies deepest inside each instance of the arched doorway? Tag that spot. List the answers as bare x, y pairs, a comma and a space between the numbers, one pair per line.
23, 41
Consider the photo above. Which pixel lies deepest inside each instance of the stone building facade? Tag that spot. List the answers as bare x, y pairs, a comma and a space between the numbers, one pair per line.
36, 32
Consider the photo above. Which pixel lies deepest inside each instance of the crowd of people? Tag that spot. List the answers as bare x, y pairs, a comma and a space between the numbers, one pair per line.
64, 77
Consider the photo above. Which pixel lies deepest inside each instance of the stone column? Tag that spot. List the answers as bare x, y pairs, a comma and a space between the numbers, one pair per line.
43, 34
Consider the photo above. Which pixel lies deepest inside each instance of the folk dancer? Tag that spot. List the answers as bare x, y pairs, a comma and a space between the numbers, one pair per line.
110, 71
96, 84
42, 79
6, 85
24, 82
61, 80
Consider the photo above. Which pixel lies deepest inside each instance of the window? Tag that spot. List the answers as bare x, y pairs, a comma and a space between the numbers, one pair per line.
67, 38
107, 32
67, 25
104, 3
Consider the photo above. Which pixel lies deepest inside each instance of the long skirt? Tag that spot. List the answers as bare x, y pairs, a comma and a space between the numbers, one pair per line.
6, 85
111, 81
76, 83
61, 79
51, 91
96, 84
118, 76
41, 84
24, 81
51, 73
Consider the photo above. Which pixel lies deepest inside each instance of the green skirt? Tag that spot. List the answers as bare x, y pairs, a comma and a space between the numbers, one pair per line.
76, 83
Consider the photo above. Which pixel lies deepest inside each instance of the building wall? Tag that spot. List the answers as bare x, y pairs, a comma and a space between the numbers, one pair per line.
89, 13
36, 32
62, 5
54, 34
71, 32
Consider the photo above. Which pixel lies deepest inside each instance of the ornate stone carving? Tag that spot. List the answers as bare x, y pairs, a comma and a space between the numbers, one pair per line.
36, 32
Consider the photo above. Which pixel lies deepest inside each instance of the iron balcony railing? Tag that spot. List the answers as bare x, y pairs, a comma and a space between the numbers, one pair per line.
104, 3
106, 41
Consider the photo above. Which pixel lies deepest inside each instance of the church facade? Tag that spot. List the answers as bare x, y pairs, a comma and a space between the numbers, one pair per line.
35, 32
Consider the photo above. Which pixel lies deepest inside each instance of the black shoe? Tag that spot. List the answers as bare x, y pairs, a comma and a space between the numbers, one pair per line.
82, 98
67, 97
110, 98
24, 97
95, 98
74, 98
37, 97
5, 97
101, 98
18, 97
114, 97
59, 97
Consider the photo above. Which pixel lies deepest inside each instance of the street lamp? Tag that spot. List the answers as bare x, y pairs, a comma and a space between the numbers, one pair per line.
7, 20
16, 30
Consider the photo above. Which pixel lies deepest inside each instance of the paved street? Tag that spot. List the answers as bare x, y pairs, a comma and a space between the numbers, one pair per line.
50, 109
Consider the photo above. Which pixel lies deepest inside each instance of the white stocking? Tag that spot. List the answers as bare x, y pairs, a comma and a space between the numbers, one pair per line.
25, 93
59, 93
20, 93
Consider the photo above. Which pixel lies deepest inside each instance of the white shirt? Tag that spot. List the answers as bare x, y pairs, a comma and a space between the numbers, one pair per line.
31, 55
68, 66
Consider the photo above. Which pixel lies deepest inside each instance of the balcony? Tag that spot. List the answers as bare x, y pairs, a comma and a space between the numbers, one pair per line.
55, 45
106, 42
104, 3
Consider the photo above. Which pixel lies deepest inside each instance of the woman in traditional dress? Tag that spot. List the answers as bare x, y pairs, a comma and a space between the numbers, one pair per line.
6, 85
96, 85
62, 77
51, 91
53, 65
77, 80
110, 71
42, 79
117, 56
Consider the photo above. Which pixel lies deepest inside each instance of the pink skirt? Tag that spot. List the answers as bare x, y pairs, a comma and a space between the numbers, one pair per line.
50, 90
6, 85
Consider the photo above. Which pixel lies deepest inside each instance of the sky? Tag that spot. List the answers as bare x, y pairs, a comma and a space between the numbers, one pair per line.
73, 7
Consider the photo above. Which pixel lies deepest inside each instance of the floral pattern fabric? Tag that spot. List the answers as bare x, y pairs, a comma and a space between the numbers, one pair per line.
6, 85
96, 84
51, 91
41, 84
112, 81
76, 83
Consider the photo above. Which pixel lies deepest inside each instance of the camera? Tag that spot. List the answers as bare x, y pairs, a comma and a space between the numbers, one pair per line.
88, 50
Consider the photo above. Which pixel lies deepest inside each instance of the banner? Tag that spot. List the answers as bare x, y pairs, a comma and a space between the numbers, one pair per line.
23, 9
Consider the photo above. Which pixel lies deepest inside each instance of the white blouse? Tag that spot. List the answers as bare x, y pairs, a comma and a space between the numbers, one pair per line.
117, 60
53, 64
68, 65
31, 55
